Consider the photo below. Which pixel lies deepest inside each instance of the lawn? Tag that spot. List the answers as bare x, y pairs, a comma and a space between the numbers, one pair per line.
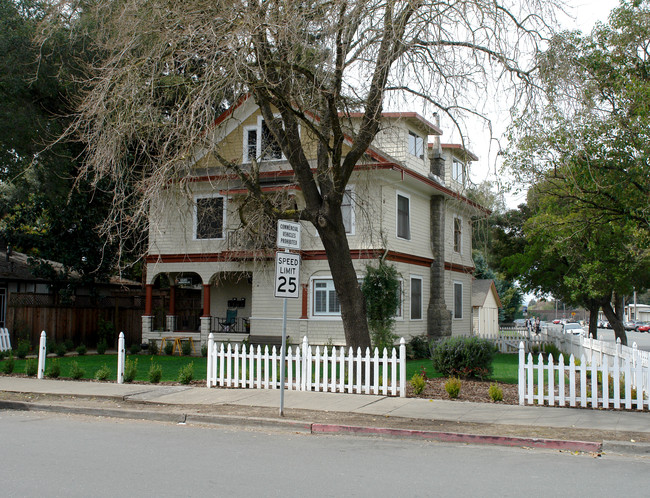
504, 365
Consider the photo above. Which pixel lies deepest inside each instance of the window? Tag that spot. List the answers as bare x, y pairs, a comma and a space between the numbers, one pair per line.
458, 300
347, 211
458, 234
209, 217
416, 145
259, 143
458, 171
326, 301
403, 217
416, 298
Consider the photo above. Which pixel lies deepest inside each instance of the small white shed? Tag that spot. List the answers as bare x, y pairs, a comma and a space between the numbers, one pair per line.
485, 308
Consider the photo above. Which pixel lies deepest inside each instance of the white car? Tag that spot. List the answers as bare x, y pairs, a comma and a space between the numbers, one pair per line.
573, 328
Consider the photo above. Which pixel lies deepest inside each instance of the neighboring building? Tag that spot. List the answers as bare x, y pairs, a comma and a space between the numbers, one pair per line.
485, 305
403, 201
64, 309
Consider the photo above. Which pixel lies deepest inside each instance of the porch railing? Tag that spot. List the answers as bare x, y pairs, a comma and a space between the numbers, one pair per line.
240, 325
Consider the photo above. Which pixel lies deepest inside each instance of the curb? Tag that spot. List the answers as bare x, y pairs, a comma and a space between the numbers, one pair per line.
303, 427
453, 437
626, 448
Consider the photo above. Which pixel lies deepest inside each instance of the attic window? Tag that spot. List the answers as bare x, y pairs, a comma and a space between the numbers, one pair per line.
260, 144
458, 171
416, 145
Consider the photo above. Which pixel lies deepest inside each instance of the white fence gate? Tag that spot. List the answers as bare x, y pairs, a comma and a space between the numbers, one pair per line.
308, 369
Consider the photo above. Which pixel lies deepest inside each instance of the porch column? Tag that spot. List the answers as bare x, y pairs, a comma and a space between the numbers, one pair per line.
148, 299
305, 301
147, 319
171, 316
205, 318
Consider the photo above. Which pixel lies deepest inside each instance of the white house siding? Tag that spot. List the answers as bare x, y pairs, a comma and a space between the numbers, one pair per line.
459, 326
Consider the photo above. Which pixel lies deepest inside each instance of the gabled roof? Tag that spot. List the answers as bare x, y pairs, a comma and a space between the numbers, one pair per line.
480, 290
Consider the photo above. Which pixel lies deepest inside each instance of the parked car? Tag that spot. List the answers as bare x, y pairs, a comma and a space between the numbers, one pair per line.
630, 325
643, 327
573, 328
603, 324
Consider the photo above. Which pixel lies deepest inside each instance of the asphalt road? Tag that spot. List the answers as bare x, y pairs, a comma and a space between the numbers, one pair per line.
642, 339
45, 454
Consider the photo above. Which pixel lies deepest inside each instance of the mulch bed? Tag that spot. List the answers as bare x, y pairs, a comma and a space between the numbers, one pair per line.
470, 390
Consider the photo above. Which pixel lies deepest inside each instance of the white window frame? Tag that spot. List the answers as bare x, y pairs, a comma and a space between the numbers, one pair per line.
458, 171
399, 194
461, 300
258, 145
413, 140
196, 216
421, 279
460, 235
323, 314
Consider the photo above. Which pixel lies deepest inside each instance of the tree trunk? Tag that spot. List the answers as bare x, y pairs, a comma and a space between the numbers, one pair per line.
615, 322
348, 290
593, 319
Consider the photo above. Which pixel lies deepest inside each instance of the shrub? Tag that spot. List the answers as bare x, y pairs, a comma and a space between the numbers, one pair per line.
186, 348
9, 364
103, 372
82, 349
169, 348
186, 374
418, 383
381, 287
3, 354
552, 349
23, 348
54, 371
60, 349
495, 392
31, 367
69, 345
101, 346
204, 350
134, 349
464, 357
153, 347
76, 372
155, 373
452, 386
130, 370
418, 348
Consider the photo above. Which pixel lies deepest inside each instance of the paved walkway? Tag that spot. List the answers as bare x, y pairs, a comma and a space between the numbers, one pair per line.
378, 406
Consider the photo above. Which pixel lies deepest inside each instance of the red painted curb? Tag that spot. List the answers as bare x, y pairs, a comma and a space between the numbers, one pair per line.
453, 437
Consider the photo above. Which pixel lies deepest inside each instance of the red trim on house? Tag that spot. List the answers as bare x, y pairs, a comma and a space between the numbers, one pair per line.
148, 289
316, 255
305, 301
222, 117
459, 268
206, 300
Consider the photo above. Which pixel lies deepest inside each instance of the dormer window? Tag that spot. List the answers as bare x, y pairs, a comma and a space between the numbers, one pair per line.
260, 144
458, 171
416, 145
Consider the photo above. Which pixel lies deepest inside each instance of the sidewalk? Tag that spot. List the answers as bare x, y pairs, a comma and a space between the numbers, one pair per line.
334, 412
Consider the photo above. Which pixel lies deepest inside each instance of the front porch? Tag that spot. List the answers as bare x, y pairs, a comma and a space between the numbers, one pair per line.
180, 306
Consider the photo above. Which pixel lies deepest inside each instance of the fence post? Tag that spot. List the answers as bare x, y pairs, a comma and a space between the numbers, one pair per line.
42, 353
521, 377
303, 364
402, 368
211, 358
618, 352
121, 353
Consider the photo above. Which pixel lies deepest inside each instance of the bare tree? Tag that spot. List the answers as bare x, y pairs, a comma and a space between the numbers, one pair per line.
164, 70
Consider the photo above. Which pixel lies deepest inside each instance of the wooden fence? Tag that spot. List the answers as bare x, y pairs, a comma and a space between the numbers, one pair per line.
328, 369
617, 383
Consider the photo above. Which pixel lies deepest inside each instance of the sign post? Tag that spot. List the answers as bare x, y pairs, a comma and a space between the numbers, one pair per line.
287, 284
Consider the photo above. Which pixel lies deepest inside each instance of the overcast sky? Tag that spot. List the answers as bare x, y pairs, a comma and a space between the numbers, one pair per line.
583, 14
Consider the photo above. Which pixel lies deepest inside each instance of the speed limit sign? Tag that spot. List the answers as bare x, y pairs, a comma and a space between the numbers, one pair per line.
287, 274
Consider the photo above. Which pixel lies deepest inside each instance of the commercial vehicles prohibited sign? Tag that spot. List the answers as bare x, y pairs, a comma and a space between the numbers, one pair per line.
288, 235
287, 274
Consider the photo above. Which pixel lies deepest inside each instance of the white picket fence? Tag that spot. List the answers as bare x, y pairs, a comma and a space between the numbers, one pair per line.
617, 383
308, 369
508, 340
5, 340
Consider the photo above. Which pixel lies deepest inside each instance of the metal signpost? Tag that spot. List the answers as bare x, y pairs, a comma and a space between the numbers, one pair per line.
287, 283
